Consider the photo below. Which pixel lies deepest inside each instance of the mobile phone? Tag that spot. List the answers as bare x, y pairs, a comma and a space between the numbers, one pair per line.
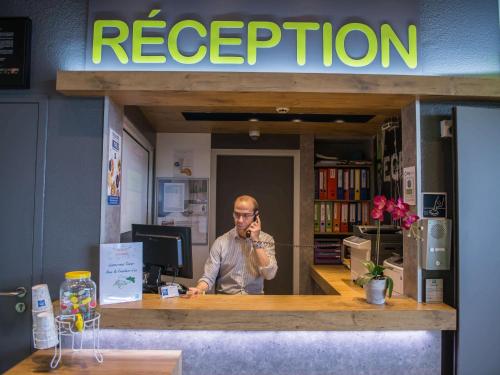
255, 214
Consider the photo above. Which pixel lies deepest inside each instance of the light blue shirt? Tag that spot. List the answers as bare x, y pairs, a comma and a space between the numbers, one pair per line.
232, 265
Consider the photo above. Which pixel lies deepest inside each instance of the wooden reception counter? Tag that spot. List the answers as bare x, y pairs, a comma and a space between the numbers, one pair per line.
345, 311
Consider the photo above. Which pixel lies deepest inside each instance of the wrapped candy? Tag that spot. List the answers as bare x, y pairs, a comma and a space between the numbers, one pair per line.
78, 296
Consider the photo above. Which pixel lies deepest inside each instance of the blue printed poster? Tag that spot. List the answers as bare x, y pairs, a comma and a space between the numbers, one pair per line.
114, 168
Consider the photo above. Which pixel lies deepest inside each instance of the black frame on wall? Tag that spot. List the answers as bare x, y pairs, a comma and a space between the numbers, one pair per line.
15, 52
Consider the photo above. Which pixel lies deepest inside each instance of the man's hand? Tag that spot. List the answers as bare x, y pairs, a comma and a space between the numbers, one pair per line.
195, 291
201, 288
254, 229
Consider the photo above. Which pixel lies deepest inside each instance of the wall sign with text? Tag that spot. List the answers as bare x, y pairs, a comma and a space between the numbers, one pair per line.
15, 52
253, 36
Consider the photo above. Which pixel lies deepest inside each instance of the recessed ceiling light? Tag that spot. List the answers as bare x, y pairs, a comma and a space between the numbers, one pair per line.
296, 120
273, 116
253, 119
339, 121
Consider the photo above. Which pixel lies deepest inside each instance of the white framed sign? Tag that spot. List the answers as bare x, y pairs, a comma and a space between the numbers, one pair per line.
120, 276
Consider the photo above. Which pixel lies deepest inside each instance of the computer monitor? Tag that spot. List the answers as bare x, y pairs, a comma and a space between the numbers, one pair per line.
167, 247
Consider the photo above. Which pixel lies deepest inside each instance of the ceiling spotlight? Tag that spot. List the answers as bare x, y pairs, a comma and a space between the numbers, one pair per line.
339, 121
282, 109
254, 134
253, 119
296, 120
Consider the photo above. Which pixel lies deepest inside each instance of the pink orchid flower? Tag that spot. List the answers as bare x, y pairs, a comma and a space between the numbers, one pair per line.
409, 220
379, 202
405, 207
398, 213
377, 214
398, 209
390, 204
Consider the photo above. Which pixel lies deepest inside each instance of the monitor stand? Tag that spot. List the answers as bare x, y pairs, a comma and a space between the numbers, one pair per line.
149, 289
153, 280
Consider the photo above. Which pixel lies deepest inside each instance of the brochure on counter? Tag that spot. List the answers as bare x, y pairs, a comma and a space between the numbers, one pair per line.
120, 277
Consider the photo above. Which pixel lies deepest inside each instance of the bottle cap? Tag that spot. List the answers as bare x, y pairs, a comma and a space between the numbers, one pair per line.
75, 275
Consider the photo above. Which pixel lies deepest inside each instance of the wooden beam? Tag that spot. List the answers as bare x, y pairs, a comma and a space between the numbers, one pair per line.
107, 82
159, 94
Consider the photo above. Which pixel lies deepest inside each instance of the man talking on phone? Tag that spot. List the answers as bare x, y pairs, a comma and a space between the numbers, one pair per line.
242, 258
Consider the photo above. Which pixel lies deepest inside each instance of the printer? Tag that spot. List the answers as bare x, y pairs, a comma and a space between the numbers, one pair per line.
356, 249
391, 240
394, 269
362, 246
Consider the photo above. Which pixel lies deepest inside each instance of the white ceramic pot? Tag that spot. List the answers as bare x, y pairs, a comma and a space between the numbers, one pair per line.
375, 292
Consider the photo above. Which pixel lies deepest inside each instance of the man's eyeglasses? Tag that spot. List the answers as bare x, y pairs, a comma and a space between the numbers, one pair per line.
244, 216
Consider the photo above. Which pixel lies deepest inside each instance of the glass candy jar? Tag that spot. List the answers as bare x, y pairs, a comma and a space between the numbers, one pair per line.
77, 294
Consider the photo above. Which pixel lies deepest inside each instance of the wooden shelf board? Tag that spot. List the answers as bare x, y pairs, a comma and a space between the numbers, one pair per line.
345, 166
333, 233
343, 200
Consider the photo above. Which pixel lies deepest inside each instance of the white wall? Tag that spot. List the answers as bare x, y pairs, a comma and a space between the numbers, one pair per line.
134, 184
166, 144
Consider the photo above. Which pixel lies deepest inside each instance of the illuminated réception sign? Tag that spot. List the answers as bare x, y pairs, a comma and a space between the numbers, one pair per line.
175, 40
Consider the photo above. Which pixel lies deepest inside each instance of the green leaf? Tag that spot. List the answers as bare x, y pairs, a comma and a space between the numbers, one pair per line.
370, 266
363, 280
390, 285
378, 270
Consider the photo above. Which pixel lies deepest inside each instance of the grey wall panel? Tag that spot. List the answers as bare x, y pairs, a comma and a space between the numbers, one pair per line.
459, 37
58, 36
74, 137
478, 178
436, 151
456, 36
73, 184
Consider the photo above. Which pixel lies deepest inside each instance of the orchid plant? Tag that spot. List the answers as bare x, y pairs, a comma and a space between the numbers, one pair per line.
375, 272
398, 209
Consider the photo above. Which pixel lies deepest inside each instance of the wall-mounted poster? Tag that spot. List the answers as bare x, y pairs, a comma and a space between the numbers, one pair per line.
434, 205
184, 202
114, 168
409, 192
15, 51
